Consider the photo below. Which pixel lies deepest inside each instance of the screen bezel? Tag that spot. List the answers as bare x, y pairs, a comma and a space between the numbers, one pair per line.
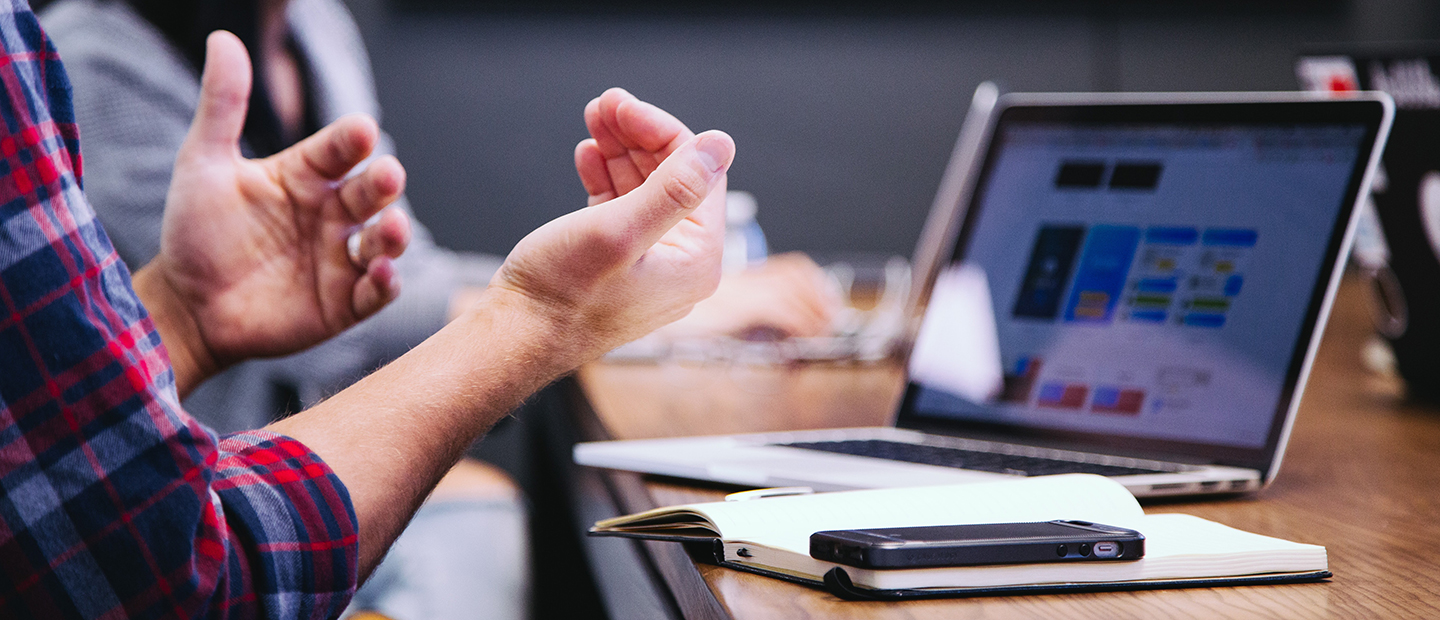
1293, 110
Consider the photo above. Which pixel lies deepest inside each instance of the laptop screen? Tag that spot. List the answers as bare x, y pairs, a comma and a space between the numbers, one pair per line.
1139, 283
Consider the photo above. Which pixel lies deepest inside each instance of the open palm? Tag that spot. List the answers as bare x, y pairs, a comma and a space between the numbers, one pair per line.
256, 249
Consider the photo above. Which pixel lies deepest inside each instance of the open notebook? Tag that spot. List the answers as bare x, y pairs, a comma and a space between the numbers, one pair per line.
771, 536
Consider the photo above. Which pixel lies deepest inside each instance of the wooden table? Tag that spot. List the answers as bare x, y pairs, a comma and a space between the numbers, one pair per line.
1361, 477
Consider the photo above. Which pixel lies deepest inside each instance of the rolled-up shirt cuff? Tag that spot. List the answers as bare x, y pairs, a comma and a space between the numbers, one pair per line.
290, 519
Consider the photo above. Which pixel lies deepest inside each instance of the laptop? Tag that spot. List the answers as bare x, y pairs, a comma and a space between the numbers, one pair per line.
1131, 285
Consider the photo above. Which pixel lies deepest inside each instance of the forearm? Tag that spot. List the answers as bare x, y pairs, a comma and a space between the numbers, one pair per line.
391, 436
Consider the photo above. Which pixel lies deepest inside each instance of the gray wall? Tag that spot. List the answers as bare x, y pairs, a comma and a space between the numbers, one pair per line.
843, 122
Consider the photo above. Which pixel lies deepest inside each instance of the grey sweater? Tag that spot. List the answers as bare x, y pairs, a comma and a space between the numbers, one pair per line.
135, 95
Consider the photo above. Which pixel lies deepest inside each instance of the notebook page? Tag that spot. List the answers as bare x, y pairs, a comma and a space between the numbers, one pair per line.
1176, 547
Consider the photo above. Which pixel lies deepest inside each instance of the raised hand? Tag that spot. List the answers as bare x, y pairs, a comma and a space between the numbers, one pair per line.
616, 270
253, 255
629, 138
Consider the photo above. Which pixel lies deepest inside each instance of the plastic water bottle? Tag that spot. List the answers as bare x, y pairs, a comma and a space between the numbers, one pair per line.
744, 241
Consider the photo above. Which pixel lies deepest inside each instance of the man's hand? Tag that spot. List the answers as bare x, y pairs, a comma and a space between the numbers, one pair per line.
616, 270
786, 296
629, 138
253, 258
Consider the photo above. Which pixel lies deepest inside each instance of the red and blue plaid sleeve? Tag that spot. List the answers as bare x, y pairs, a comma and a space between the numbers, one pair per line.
113, 502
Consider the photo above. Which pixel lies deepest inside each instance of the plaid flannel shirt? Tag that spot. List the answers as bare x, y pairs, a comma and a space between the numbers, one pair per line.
113, 502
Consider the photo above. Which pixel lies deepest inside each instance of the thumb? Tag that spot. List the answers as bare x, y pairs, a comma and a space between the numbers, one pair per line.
671, 193
224, 95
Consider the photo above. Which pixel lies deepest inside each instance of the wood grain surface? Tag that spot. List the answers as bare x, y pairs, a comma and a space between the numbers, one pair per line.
1361, 477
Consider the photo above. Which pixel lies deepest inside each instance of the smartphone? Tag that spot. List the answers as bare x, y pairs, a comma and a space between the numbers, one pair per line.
971, 545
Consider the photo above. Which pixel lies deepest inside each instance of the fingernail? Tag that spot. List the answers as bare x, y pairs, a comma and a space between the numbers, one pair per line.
713, 152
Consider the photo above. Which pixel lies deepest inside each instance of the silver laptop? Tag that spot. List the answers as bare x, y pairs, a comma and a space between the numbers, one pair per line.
1122, 284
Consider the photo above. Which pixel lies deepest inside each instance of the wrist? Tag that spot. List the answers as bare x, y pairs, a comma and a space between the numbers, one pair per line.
541, 337
179, 331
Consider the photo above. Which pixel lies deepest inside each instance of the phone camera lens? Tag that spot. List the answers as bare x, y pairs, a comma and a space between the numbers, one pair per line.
1062, 550
1085, 549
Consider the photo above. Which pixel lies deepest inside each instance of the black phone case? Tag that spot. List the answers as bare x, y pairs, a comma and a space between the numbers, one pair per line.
974, 545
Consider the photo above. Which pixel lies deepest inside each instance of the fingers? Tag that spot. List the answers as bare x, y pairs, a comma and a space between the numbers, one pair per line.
810, 318
795, 317
610, 144
692, 175
388, 237
809, 285
650, 128
379, 286
785, 294
379, 185
782, 316
224, 96
590, 164
823, 307
794, 309
332, 152
309, 171
799, 323
632, 137
620, 122
380, 243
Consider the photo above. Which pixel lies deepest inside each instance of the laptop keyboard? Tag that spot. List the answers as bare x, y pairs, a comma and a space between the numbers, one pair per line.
999, 463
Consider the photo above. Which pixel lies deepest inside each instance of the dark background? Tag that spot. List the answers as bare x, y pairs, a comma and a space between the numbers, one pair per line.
844, 117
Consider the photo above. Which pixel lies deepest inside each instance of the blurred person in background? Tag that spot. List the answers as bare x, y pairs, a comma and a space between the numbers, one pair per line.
135, 67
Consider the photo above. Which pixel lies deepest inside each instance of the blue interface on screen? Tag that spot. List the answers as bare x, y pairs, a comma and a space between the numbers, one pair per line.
1149, 281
